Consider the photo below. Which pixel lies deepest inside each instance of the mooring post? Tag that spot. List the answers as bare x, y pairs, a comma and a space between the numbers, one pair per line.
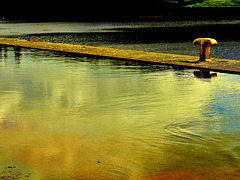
205, 44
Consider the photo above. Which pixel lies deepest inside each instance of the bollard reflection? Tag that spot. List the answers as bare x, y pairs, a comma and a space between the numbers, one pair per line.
4, 51
204, 74
17, 53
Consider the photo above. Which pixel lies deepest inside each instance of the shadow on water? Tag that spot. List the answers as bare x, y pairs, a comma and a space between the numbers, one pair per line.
131, 35
188, 33
168, 37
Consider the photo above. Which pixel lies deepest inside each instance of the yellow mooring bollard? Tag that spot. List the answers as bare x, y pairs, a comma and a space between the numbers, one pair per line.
205, 44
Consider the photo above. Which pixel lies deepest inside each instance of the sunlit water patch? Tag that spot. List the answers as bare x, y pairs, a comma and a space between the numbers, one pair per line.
66, 117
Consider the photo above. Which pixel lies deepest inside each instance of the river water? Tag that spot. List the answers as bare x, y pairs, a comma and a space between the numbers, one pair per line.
73, 117
157, 36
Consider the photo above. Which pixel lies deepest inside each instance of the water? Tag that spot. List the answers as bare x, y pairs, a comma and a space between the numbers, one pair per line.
76, 117
167, 37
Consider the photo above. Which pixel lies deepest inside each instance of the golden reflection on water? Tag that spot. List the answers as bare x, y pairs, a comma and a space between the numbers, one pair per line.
64, 117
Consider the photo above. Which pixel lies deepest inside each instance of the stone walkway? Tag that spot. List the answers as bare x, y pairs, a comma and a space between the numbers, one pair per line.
220, 65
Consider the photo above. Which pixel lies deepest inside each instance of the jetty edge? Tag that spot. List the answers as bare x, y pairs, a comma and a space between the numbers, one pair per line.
218, 65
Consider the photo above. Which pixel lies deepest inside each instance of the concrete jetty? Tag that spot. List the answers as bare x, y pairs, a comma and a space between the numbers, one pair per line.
219, 65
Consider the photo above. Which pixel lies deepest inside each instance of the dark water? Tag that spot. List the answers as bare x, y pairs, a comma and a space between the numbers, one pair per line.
73, 117
166, 37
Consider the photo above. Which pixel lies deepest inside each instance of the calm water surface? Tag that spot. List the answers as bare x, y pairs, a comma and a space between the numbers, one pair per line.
67, 117
73, 117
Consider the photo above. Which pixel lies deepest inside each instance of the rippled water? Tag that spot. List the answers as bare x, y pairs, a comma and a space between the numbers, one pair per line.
64, 116
73, 117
